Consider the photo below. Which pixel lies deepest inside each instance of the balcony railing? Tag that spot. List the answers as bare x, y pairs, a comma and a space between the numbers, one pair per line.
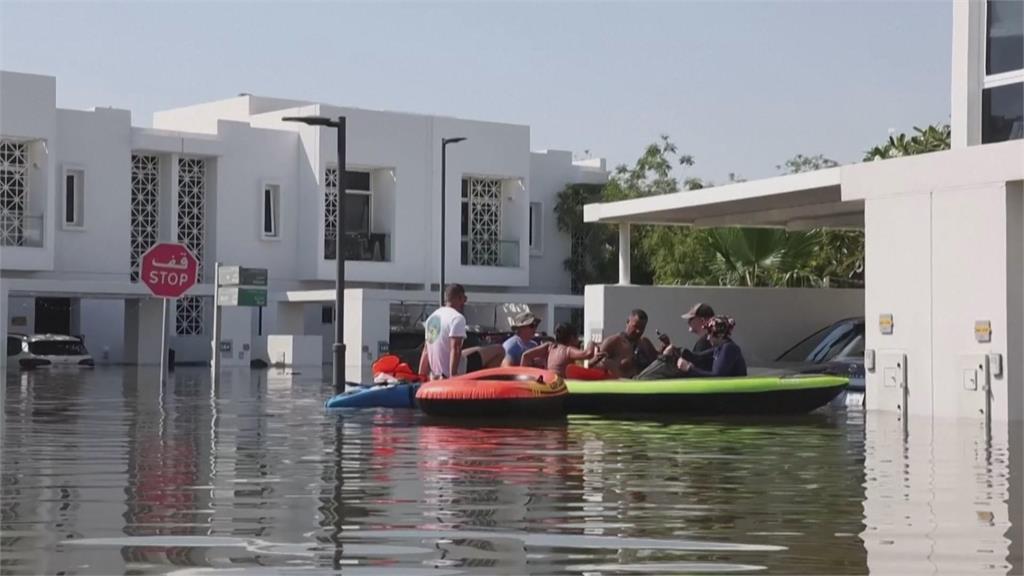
372, 247
499, 253
21, 229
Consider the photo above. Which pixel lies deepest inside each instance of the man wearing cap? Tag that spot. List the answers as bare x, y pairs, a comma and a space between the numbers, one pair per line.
525, 326
696, 319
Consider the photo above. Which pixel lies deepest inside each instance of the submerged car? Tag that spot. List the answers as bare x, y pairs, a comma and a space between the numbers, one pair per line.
836, 349
31, 351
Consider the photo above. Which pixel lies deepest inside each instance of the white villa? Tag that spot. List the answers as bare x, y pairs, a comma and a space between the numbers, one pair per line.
86, 193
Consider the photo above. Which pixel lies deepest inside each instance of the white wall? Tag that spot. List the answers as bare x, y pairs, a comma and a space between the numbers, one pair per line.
21, 307
253, 157
99, 144
550, 172
762, 331
898, 274
969, 283
941, 253
1015, 298
28, 114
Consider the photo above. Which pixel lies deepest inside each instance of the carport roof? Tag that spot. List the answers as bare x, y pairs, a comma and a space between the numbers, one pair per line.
797, 201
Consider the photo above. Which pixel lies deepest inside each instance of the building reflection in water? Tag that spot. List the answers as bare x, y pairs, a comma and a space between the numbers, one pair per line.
943, 499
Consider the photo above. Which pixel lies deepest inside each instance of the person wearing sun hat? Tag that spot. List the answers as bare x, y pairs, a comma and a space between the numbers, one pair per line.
524, 325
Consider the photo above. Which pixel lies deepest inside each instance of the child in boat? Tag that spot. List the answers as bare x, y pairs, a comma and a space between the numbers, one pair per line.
727, 358
556, 356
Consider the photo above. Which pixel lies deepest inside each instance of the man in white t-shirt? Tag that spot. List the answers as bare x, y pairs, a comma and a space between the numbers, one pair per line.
444, 333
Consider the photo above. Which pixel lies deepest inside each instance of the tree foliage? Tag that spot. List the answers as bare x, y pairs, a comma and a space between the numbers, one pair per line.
671, 255
929, 139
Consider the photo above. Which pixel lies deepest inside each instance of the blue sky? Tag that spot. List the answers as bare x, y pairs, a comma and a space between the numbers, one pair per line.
740, 85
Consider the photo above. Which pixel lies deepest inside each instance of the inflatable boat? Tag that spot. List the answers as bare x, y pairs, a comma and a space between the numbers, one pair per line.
398, 395
791, 394
517, 392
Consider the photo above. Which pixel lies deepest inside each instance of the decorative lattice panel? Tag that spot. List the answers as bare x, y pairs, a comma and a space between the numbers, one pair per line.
330, 212
145, 208
484, 221
188, 316
192, 207
191, 233
13, 192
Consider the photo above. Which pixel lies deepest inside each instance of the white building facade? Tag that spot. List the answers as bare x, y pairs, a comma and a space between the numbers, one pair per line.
85, 193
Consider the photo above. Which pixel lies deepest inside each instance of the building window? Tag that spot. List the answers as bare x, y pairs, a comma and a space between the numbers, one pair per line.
327, 314
192, 207
1004, 46
358, 206
271, 210
13, 192
188, 316
1002, 113
74, 186
481, 221
536, 232
145, 208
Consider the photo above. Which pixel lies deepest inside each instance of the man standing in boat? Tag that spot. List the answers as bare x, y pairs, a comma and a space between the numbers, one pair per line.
444, 333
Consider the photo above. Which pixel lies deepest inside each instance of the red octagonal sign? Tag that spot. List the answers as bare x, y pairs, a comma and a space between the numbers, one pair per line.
169, 270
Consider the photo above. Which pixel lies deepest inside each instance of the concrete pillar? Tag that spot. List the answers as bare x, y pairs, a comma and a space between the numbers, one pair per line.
547, 318
624, 254
967, 72
236, 328
142, 324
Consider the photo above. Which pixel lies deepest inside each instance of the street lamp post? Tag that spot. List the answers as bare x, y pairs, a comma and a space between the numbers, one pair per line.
338, 350
444, 180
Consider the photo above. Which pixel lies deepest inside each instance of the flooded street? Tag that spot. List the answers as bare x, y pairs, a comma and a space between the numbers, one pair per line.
104, 473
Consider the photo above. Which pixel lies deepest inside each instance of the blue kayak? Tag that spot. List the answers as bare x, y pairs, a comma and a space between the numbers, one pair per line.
388, 396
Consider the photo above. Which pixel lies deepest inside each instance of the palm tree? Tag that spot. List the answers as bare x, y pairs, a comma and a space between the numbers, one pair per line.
763, 257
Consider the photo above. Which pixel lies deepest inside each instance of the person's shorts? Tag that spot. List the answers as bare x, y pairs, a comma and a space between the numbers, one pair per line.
469, 363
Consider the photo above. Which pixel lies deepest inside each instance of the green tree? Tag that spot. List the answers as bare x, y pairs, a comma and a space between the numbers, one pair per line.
593, 257
801, 163
837, 257
762, 257
929, 139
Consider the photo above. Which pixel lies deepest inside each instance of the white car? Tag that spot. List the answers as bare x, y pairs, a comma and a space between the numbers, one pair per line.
47, 350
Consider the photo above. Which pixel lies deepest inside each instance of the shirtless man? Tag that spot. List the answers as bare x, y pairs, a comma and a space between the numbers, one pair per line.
628, 352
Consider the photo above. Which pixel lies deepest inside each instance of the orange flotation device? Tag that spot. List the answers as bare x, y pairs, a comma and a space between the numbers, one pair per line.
514, 391
577, 372
391, 365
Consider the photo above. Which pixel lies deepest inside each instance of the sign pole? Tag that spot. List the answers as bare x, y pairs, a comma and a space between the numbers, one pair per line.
216, 323
163, 343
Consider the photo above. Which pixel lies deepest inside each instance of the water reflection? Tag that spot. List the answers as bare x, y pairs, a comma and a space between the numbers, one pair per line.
104, 472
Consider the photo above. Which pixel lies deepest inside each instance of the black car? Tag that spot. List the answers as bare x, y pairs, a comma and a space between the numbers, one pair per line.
835, 349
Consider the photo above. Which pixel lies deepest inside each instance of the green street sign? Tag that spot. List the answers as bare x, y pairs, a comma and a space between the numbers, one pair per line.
240, 276
236, 296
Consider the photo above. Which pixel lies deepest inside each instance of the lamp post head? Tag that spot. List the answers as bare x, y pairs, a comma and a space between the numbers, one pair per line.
312, 120
447, 141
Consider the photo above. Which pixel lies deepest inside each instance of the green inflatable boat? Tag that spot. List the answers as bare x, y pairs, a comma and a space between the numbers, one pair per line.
794, 394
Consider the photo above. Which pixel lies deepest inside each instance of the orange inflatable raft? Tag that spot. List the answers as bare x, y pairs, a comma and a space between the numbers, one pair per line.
496, 392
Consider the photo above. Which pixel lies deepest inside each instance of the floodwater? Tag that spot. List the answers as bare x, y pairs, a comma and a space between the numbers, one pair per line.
105, 473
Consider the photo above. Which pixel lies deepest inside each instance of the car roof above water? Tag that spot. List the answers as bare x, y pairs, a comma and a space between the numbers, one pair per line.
50, 337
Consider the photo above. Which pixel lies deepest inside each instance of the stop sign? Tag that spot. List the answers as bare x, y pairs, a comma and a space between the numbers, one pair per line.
169, 270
